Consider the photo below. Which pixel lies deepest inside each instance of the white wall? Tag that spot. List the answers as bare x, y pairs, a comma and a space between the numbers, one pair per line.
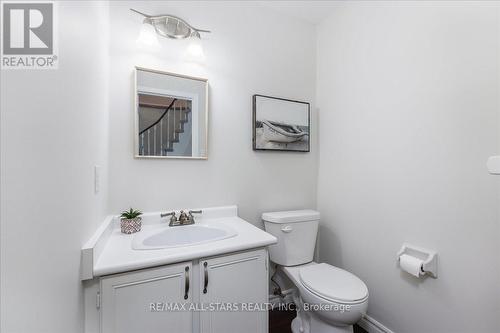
251, 50
54, 127
409, 113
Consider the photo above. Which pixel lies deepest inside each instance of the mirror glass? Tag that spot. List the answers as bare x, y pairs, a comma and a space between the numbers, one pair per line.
171, 115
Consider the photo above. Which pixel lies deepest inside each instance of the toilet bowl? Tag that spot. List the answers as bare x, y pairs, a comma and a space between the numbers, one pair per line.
328, 299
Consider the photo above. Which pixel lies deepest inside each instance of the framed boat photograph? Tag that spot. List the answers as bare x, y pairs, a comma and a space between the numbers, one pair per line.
280, 124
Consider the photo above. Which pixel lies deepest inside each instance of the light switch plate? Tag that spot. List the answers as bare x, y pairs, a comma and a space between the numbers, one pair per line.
493, 165
97, 179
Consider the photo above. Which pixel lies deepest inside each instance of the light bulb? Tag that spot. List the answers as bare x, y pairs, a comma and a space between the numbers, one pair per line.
194, 51
147, 37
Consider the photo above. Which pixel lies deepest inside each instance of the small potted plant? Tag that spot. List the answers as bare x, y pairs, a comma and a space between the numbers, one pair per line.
131, 221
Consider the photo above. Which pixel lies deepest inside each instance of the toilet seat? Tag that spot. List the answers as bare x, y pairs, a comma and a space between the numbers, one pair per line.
327, 319
333, 284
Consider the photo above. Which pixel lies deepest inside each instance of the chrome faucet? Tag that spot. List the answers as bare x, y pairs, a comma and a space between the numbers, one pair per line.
184, 219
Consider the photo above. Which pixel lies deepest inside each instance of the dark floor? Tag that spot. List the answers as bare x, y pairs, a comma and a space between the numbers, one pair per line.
280, 321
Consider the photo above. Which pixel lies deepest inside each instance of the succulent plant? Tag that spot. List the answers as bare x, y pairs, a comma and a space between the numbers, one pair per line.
130, 214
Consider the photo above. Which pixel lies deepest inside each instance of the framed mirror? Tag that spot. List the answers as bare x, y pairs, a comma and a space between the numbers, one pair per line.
171, 115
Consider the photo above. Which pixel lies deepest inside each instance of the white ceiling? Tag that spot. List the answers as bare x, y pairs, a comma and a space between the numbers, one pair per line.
310, 11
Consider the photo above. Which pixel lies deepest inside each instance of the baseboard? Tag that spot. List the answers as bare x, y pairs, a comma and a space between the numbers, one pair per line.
372, 326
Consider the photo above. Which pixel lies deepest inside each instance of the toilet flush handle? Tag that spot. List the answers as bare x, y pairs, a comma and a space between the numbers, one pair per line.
287, 229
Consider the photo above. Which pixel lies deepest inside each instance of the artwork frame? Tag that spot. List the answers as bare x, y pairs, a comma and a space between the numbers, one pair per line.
173, 86
274, 129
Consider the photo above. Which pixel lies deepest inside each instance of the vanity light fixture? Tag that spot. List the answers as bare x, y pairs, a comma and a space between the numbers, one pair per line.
170, 26
148, 37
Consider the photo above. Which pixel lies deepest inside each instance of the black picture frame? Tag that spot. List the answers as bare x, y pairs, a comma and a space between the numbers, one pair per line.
257, 134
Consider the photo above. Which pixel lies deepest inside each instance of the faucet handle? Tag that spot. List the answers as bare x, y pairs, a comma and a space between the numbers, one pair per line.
162, 215
172, 216
191, 212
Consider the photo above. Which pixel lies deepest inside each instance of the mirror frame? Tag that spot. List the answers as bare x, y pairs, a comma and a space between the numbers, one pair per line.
136, 115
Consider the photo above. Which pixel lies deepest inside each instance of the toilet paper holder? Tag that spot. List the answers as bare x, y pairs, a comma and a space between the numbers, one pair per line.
429, 258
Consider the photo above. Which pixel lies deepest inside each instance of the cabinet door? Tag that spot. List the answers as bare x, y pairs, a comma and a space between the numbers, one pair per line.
238, 279
136, 302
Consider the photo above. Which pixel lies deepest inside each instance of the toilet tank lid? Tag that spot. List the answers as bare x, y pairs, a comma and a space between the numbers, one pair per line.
291, 216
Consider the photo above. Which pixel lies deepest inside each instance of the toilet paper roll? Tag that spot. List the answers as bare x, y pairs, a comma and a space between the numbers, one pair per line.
410, 264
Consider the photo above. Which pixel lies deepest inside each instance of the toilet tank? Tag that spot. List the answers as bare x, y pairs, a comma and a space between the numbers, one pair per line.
296, 232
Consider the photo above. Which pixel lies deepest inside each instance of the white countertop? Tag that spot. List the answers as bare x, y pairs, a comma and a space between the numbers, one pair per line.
116, 255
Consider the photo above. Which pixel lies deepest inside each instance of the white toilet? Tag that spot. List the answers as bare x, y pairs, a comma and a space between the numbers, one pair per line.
328, 299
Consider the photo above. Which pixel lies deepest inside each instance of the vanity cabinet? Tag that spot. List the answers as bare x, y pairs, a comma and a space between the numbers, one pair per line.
226, 293
133, 302
239, 280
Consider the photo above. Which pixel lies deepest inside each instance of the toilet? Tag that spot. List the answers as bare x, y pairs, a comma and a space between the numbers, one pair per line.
328, 299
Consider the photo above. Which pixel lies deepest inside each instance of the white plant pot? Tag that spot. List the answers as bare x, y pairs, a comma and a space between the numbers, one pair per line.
129, 226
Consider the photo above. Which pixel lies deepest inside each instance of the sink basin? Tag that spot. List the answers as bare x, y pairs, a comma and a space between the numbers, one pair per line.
168, 237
